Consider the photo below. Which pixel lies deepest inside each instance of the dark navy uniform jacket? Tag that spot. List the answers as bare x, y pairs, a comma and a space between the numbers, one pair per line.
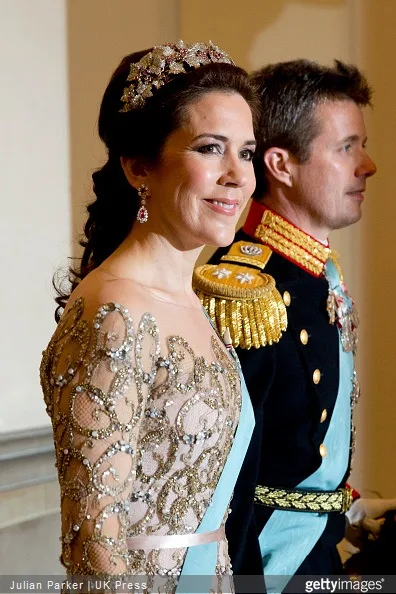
292, 411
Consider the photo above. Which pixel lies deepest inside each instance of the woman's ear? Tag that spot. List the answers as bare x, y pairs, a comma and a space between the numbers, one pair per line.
134, 170
279, 164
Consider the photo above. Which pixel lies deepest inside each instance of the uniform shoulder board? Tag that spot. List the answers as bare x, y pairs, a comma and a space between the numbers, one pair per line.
238, 295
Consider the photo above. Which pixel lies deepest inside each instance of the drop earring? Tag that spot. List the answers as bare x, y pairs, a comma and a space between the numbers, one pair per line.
143, 193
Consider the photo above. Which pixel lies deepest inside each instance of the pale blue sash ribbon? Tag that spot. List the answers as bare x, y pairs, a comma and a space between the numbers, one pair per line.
201, 560
288, 537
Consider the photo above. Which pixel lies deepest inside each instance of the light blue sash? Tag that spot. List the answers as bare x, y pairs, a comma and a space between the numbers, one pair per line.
201, 560
288, 537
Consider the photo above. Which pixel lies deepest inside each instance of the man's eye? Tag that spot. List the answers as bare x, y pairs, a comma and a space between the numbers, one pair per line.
247, 154
346, 148
209, 149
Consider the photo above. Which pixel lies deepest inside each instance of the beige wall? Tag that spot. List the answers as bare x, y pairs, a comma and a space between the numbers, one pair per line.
35, 199
256, 32
375, 49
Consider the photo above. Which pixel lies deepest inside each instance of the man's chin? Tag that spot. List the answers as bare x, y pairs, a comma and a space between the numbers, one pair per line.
357, 215
350, 220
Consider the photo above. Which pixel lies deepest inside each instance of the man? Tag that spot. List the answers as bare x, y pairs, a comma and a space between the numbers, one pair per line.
311, 168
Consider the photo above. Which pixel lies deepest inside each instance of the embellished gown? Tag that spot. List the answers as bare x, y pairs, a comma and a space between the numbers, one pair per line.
147, 442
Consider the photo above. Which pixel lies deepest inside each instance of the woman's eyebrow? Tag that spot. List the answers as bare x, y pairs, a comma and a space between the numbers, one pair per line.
222, 138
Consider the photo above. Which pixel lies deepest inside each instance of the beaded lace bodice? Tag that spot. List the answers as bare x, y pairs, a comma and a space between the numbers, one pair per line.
141, 437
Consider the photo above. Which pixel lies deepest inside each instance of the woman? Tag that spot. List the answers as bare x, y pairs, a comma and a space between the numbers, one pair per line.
144, 398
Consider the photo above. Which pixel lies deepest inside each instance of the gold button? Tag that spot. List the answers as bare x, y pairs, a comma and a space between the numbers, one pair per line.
323, 416
323, 450
304, 336
316, 376
286, 298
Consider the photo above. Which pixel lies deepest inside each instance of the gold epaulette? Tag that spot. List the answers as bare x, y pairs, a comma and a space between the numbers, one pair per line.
237, 295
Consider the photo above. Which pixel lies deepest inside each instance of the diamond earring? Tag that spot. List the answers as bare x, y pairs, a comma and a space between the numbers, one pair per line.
144, 193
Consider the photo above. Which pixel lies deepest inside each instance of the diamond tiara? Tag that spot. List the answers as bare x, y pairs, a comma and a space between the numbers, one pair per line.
164, 61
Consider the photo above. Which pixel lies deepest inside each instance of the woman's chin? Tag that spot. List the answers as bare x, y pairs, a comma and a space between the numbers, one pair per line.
223, 239
215, 236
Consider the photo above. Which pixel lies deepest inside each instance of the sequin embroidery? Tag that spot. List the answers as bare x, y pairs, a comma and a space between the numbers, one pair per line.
141, 439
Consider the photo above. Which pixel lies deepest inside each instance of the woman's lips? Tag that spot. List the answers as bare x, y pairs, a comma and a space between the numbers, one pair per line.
226, 207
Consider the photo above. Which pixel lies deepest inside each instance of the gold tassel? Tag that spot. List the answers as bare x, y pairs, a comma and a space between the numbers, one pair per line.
256, 315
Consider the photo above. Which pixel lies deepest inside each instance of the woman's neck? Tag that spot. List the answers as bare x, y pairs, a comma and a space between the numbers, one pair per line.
153, 262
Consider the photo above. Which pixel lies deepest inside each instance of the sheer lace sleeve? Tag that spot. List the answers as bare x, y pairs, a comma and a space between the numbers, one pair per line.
96, 374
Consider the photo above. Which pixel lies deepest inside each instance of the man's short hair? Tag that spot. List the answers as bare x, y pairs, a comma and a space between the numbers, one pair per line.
289, 93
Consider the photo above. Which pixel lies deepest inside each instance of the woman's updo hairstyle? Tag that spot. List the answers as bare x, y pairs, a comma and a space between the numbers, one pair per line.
138, 128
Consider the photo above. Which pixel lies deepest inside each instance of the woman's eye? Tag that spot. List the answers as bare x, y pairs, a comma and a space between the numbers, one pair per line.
247, 154
210, 149
346, 148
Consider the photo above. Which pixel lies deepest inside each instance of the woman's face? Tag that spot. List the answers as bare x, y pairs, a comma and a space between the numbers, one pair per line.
205, 174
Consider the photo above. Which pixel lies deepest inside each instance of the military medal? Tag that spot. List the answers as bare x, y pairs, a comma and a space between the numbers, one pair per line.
342, 311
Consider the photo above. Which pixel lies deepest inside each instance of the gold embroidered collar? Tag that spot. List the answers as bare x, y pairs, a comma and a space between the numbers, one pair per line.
286, 239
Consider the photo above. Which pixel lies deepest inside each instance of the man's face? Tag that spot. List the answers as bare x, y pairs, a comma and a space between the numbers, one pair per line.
329, 187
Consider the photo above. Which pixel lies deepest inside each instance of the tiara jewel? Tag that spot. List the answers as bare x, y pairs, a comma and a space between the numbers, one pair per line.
164, 61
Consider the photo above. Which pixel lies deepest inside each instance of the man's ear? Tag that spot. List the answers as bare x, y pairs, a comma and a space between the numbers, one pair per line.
279, 163
135, 171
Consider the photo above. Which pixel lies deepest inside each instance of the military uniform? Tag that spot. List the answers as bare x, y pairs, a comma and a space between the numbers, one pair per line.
302, 383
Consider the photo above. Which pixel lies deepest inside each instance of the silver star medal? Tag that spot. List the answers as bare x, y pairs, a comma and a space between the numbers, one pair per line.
245, 277
221, 273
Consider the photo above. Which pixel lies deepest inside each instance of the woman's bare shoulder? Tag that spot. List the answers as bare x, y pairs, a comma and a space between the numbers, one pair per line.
98, 289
